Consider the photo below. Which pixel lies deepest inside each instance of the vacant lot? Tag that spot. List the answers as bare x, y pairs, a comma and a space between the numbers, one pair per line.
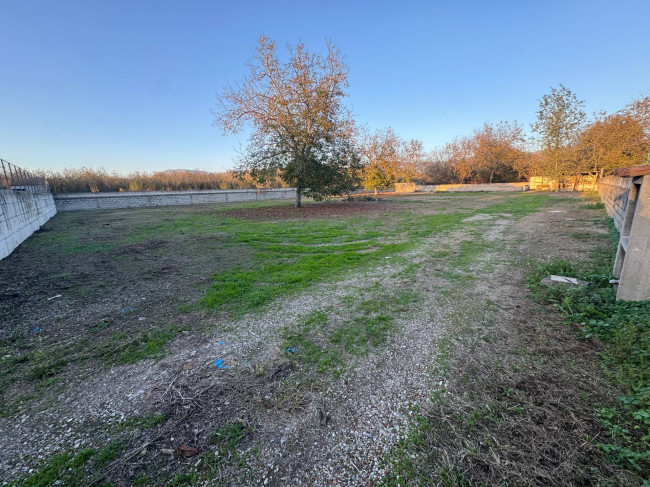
346, 343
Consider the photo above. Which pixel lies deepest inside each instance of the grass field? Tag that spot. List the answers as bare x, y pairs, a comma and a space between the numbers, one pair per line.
247, 332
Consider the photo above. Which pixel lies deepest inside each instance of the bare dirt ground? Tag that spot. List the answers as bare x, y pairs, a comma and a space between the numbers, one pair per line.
265, 418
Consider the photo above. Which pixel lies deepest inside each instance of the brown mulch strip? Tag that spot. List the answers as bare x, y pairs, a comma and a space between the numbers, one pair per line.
328, 209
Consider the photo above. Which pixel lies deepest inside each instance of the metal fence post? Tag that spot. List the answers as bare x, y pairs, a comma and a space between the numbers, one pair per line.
4, 170
25, 180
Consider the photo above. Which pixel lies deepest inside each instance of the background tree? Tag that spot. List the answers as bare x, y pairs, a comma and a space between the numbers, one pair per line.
527, 165
374, 178
612, 141
301, 130
560, 119
438, 170
497, 150
412, 161
461, 159
381, 154
639, 110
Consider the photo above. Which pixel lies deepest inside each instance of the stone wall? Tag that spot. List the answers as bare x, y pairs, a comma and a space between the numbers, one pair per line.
21, 214
614, 193
137, 199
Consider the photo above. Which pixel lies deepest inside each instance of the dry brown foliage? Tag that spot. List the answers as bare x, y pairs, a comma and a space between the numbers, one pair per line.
86, 180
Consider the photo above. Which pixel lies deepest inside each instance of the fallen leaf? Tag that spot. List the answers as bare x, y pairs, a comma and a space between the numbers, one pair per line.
187, 451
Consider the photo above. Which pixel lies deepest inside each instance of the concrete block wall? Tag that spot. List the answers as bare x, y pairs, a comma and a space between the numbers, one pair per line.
614, 191
139, 199
456, 188
21, 214
405, 187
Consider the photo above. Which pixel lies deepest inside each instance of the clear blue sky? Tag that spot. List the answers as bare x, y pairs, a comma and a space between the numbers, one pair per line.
129, 85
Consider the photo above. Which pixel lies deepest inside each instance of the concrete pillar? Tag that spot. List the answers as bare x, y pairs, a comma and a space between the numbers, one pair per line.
632, 265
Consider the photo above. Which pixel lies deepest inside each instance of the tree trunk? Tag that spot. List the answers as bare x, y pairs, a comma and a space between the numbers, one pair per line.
298, 197
375, 192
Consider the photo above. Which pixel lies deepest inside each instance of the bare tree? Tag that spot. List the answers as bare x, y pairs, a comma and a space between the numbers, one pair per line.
413, 160
438, 169
301, 129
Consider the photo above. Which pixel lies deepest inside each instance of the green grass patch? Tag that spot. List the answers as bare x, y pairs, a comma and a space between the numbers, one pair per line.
589, 237
307, 343
521, 204
144, 422
66, 468
147, 344
593, 200
327, 344
42, 367
109, 453
73, 470
624, 328
289, 256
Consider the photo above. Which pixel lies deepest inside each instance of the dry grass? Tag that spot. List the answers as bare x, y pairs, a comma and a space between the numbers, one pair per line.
99, 180
519, 389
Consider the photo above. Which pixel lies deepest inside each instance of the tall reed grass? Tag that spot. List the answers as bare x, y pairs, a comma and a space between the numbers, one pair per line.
86, 180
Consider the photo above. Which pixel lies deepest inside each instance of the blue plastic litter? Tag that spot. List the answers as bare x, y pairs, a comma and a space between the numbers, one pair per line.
37, 328
220, 342
128, 309
291, 350
218, 363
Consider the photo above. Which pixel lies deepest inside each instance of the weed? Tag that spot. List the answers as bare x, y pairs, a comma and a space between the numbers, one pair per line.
110, 452
624, 327
325, 345
307, 344
184, 479
593, 201
225, 455
144, 422
63, 467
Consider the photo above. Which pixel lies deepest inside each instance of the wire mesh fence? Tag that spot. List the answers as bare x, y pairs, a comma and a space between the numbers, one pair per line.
16, 178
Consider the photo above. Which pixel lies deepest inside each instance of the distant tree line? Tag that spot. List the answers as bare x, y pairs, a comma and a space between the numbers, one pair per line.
302, 135
86, 180
564, 142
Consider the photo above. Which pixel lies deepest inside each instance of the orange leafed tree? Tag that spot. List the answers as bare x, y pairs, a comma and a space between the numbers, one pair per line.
301, 130
498, 152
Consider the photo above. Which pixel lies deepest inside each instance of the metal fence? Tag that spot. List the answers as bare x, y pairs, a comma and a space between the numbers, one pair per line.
16, 178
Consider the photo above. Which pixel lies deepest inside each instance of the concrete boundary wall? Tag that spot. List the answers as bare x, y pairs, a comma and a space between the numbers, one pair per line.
21, 214
614, 192
139, 199
457, 188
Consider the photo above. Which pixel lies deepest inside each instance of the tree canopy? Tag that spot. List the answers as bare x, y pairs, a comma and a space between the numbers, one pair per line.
560, 120
388, 159
303, 134
301, 130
